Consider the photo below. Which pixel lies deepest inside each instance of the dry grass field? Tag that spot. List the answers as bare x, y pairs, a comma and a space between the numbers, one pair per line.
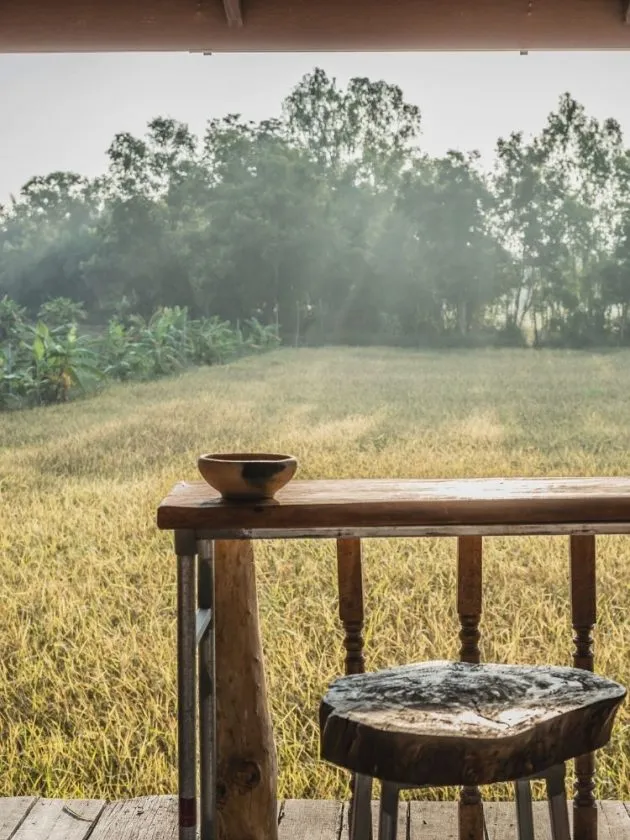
87, 583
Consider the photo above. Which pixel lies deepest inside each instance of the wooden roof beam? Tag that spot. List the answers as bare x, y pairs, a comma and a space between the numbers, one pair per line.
310, 25
233, 12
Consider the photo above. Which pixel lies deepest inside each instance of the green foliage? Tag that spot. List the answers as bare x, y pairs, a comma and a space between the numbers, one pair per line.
12, 318
331, 223
45, 365
50, 362
61, 312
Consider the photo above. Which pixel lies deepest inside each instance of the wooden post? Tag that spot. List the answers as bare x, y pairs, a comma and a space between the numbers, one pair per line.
247, 774
350, 584
583, 617
350, 580
469, 600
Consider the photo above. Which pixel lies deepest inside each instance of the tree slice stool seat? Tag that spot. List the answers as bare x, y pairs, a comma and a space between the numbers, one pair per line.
454, 723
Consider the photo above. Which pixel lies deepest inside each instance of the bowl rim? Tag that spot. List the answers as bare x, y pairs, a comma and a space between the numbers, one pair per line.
246, 458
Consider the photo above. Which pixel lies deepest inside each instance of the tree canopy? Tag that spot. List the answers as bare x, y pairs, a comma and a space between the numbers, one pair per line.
331, 222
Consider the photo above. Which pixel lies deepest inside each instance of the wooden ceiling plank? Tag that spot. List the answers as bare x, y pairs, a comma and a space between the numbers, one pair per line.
310, 25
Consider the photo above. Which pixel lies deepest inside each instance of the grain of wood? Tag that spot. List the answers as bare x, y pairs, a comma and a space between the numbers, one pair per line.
13, 811
403, 820
614, 817
542, 824
432, 821
55, 819
350, 586
304, 819
469, 576
472, 724
389, 503
155, 818
246, 771
500, 820
145, 818
313, 26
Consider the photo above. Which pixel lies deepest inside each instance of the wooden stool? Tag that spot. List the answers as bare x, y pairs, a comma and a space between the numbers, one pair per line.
453, 723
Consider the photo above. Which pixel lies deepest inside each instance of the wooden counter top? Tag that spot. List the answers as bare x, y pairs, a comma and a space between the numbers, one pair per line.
400, 507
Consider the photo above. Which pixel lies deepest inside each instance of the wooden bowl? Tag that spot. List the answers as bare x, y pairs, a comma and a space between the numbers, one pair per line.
247, 476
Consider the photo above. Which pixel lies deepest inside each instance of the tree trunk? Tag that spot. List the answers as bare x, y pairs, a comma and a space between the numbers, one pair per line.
246, 786
463, 317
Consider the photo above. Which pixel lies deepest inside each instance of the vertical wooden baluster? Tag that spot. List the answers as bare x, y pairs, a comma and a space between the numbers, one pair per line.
469, 576
583, 617
350, 582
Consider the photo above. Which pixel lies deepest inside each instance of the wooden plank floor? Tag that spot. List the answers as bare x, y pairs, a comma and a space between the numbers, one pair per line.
155, 818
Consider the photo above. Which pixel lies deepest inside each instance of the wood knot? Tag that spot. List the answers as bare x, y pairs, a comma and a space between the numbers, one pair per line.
242, 776
222, 793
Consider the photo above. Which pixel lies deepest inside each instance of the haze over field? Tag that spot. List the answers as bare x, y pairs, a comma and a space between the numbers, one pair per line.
323, 222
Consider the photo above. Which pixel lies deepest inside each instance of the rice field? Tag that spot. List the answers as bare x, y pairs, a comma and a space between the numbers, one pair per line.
87, 583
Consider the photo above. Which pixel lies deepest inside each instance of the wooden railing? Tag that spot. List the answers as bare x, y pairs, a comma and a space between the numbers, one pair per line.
348, 511
469, 609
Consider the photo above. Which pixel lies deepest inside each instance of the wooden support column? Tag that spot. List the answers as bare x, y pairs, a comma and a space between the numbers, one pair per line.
350, 579
350, 584
247, 773
469, 604
583, 618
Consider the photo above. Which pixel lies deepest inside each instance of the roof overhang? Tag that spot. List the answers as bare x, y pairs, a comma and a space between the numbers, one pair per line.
312, 25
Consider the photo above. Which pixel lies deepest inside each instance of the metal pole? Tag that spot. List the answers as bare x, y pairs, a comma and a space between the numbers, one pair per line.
207, 694
186, 655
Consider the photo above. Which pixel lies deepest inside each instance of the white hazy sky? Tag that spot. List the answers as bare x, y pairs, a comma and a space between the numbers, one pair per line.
61, 111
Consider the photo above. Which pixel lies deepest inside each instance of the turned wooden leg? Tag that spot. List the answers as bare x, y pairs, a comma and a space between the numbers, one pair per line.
584, 615
469, 579
246, 786
350, 579
350, 583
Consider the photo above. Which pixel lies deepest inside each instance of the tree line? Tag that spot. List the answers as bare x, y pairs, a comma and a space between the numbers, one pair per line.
331, 224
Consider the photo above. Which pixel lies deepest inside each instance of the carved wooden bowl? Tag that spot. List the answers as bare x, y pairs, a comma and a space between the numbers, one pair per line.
247, 476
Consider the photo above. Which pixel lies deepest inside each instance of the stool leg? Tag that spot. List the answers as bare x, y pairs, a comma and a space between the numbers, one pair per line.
361, 814
524, 812
558, 810
388, 817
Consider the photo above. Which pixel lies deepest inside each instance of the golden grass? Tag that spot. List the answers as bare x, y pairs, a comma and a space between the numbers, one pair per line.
87, 586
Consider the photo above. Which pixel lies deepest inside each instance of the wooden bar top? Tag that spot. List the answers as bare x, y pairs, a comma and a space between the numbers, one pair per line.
399, 507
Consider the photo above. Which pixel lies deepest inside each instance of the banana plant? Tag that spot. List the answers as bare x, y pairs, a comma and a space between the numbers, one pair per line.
61, 361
